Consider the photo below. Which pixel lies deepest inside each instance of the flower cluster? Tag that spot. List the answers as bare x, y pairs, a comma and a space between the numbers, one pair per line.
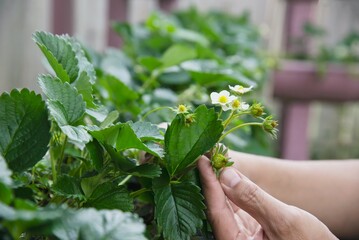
231, 102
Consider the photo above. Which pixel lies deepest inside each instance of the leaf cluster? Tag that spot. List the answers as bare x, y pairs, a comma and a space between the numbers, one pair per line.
85, 161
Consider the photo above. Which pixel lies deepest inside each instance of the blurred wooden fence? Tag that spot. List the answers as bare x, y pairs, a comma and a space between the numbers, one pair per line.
89, 20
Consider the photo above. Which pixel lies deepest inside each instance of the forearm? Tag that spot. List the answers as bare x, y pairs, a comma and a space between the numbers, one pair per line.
327, 189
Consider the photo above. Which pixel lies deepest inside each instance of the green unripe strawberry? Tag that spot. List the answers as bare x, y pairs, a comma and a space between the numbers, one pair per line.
219, 161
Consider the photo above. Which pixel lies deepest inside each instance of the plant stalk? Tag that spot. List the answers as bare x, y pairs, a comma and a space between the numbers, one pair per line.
238, 127
125, 180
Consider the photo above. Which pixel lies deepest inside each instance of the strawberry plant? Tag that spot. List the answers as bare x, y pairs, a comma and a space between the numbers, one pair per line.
88, 159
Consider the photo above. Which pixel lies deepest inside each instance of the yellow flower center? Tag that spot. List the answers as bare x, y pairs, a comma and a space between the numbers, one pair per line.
236, 103
182, 108
223, 99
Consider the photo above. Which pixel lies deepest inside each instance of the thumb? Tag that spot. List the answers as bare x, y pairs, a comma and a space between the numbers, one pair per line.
252, 199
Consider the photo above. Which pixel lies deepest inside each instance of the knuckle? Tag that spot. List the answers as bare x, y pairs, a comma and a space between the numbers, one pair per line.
250, 194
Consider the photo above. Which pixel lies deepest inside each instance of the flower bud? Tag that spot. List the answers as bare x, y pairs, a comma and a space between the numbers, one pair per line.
257, 110
189, 119
269, 125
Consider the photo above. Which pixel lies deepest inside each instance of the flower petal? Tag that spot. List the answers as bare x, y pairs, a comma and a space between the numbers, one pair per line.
244, 106
226, 107
224, 93
214, 97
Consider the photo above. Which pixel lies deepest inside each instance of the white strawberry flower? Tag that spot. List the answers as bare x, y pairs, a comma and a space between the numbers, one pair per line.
223, 99
240, 89
238, 105
244, 106
181, 109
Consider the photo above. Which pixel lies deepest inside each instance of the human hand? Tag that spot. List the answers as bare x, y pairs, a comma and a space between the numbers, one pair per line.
239, 209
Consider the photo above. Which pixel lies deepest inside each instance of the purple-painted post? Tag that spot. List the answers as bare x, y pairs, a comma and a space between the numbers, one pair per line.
62, 16
298, 13
117, 12
300, 81
293, 130
167, 5
294, 138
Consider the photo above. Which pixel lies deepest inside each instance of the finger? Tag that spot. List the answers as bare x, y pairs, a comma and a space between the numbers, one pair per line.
249, 197
219, 212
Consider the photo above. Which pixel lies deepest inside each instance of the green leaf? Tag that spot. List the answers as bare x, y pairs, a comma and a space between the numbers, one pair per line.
90, 224
116, 91
146, 131
206, 72
84, 87
185, 143
60, 55
99, 113
65, 103
68, 186
24, 204
177, 54
110, 119
83, 63
179, 208
191, 36
120, 161
96, 153
5, 173
68, 224
77, 135
155, 148
151, 63
146, 170
87, 74
6, 195
24, 129
174, 76
110, 196
122, 137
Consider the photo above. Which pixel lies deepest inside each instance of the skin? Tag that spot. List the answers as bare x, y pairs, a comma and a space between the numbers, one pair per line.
328, 189
270, 205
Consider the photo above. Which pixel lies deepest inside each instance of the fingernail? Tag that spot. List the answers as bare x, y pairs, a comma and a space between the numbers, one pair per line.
230, 177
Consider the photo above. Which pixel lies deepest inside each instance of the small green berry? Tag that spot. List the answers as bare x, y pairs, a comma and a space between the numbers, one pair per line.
270, 126
219, 161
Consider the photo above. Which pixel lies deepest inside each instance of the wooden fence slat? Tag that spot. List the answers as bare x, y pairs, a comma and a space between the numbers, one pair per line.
62, 20
167, 5
294, 137
118, 10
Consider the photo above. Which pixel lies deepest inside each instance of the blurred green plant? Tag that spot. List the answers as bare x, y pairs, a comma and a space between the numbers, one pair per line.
345, 52
204, 52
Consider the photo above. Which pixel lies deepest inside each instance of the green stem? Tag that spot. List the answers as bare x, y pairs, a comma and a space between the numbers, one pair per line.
233, 116
239, 126
152, 111
175, 182
52, 152
227, 121
139, 192
125, 180
220, 112
53, 168
61, 158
